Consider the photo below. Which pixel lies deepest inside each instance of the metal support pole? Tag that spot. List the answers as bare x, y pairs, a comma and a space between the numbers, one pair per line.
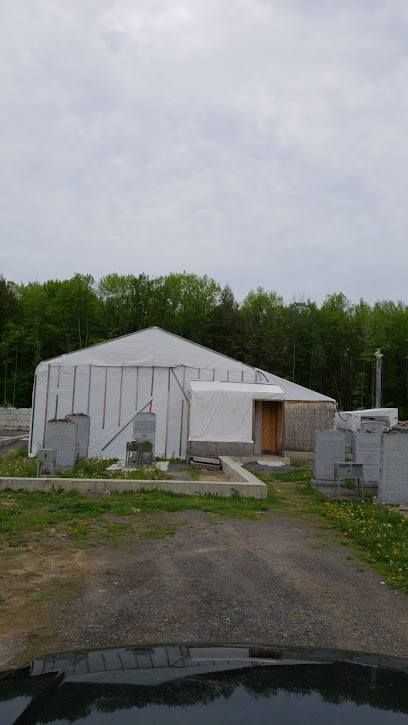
379, 357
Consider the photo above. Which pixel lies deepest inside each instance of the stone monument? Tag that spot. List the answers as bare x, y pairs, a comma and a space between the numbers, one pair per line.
330, 448
367, 447
62, 436
144, 428
393, 484
374, 426
83, 428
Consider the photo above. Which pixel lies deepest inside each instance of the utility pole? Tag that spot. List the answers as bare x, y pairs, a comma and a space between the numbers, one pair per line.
379, 357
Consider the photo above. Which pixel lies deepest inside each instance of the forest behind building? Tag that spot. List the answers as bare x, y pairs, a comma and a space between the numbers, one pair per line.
328, 347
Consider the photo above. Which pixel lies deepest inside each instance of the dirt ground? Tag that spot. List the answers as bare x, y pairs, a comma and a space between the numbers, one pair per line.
190, 577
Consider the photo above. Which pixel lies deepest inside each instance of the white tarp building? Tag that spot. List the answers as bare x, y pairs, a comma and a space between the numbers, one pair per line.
351, 419
155, 369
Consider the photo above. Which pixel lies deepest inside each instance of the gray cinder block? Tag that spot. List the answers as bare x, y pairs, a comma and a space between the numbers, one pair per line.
144, 428
367, 447
62, 436
330, 448
393, 483
83, 429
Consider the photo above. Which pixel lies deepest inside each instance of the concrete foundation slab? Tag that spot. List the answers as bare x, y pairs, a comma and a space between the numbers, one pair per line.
162, 465
100, 486
118, 466
267, 462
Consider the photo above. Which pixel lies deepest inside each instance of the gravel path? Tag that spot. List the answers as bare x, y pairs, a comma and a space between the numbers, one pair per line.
22, 442
282, 580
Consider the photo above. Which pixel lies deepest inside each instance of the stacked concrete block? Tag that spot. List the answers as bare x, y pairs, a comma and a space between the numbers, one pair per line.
330, 448
62, 436
393, 484
15, 418
367, 447
83, 429
302, 420
374, 426
211, 449
144, 428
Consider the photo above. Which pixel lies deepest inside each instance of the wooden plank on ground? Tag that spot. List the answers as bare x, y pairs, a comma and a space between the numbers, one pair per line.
206, 466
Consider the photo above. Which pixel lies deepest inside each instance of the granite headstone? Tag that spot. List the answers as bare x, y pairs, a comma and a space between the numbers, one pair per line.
393, 484
330, 448
367, 447
83, 428
62, 436
374, 426
144, 428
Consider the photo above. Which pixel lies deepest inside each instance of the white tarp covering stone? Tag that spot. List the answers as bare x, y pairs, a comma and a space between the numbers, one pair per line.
351, 419
223, 411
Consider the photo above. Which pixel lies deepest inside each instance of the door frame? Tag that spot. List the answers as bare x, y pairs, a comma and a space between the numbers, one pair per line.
257, 427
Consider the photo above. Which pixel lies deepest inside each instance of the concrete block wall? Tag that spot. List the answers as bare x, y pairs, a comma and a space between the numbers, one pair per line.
301, 422
214, 449
62, 436
83, 429
15, 418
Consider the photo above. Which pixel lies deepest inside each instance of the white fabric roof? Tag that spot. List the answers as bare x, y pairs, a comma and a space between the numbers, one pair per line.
255, 391
146, 348
351, 419
223, 411
294, 391
156, 347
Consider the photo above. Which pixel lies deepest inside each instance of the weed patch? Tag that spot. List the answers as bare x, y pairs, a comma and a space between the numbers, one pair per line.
17, 464
379, 534
380, 531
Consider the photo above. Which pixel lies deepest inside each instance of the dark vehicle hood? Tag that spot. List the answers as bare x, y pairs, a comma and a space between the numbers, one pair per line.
196, 683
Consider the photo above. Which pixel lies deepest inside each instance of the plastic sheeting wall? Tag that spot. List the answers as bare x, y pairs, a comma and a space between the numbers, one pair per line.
111, 395
223, 412
351, 419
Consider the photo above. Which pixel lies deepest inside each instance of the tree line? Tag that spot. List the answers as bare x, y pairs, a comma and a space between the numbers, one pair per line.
329, 348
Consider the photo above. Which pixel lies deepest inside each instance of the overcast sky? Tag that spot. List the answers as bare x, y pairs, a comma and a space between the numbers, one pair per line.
261, 142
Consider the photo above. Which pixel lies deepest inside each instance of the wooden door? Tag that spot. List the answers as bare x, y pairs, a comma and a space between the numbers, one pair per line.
272, 419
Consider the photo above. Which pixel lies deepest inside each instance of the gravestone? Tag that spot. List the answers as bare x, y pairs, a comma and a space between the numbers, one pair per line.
83, 428
330, 448
62, 436
393, 484
367, 448
374, 426
144, 428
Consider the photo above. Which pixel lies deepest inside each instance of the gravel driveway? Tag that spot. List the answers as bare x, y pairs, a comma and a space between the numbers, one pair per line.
282, 580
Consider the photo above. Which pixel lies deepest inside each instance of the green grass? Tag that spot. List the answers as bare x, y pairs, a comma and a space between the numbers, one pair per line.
17, 464
37, 594
378, 534
96, 468
300, 475
381, 532
29, 514
160, 532
193, 472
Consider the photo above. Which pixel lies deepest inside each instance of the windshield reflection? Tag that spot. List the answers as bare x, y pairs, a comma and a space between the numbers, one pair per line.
182, 684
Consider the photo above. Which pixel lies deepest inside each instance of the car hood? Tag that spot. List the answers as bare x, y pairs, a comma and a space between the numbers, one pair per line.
190, 682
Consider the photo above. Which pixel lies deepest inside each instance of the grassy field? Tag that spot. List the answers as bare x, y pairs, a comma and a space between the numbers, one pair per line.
378, 534
24, 514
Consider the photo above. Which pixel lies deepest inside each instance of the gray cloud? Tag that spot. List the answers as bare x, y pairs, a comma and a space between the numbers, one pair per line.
259, 142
